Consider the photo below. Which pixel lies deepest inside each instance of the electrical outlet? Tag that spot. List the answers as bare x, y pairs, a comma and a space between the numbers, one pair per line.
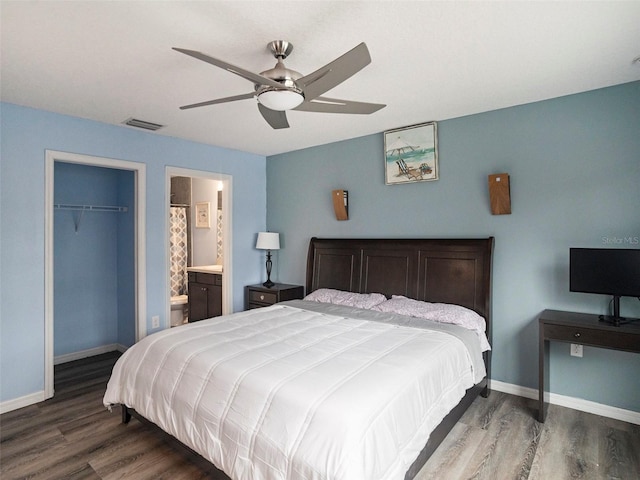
576, 350
155, 322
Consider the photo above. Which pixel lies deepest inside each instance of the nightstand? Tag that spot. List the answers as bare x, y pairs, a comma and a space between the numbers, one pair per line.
256, 296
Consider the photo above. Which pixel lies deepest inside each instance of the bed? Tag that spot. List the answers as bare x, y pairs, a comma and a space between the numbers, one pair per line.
311, 390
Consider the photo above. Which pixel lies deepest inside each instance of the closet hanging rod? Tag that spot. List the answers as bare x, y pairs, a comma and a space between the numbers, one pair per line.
180, 205
94, 208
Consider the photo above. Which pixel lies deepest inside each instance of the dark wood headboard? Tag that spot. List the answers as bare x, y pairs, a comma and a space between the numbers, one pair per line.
434, 270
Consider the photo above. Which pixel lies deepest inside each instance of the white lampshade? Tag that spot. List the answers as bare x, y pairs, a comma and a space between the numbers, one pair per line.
280, 99
268, 241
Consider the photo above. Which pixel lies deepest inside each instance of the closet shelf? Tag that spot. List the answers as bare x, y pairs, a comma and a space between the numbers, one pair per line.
87, 208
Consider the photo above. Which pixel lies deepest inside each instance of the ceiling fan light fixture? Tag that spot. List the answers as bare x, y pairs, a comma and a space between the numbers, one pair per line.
280, 99
280, 89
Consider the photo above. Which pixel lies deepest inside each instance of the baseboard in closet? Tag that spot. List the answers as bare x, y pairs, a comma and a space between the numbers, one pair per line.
70, 357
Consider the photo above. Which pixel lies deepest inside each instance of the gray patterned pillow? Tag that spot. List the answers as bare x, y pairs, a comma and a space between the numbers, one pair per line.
350, 299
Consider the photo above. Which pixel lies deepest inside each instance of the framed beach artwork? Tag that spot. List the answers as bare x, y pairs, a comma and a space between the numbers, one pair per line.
411, 154
202, 215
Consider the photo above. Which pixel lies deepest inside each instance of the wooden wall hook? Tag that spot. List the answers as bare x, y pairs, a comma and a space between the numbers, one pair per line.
341, 204
500, 194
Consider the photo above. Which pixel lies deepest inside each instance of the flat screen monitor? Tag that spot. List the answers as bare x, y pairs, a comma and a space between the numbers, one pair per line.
606, 271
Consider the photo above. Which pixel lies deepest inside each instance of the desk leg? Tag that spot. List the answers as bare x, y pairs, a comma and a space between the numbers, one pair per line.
543, 377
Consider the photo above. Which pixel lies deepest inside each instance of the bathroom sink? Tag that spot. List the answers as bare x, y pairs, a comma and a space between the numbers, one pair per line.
206, 269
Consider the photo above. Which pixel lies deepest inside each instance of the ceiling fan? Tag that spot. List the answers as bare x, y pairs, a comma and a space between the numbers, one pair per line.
280, 89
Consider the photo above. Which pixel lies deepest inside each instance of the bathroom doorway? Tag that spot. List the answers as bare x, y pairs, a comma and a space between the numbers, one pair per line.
198, 236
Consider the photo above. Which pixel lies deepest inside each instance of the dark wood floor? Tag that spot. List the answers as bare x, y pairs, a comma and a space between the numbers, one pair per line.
72, 436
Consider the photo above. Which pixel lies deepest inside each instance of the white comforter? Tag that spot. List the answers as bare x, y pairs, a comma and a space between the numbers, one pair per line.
289, 393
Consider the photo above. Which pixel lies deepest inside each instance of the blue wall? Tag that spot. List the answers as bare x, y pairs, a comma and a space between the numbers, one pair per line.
575, 176
94, 289
26, 134
574, 172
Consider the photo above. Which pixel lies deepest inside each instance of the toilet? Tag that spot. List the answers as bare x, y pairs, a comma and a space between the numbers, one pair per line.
179, 310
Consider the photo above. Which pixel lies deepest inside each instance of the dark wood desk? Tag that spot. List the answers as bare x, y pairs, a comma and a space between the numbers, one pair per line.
583, 329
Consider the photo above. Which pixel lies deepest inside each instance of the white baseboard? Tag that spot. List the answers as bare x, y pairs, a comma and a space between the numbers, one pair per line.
21, 402
570, 402
70, 357
38, 397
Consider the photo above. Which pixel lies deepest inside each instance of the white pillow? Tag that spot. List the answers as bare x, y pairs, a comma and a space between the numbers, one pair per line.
438, 312
350, 299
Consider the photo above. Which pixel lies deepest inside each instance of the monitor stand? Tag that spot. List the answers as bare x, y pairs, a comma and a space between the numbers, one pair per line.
616, 320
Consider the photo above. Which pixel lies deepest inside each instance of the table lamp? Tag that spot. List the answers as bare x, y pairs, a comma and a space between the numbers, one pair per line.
268, 241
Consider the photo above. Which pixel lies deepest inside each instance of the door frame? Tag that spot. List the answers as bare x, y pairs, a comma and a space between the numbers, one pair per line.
227, 196
139, 171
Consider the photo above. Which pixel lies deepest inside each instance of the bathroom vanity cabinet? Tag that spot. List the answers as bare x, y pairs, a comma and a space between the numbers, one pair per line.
205, 295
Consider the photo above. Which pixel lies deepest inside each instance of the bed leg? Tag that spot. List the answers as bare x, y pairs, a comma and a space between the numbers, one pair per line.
485, 392
126, 415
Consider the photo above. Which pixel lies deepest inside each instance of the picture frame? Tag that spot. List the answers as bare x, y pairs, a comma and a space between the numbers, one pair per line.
411, 154
203, 216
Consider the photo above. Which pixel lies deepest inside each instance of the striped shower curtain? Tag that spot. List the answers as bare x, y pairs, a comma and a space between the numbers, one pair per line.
178, 250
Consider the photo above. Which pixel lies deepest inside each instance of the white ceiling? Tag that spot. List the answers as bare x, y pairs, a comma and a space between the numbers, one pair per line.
112, 60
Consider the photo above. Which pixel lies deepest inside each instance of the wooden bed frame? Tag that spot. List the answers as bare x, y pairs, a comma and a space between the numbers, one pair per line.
454, 271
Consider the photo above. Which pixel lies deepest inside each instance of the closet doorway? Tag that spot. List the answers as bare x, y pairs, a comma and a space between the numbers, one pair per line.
203, 242
94, 223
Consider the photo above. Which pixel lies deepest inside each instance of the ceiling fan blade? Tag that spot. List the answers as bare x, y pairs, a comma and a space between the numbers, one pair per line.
334, 105
276, 118
334, 73
246, 74
219, 100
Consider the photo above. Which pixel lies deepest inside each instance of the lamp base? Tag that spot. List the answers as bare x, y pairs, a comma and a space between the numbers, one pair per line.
268, 283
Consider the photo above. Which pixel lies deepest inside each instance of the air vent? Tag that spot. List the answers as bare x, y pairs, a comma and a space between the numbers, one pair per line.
134, 122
